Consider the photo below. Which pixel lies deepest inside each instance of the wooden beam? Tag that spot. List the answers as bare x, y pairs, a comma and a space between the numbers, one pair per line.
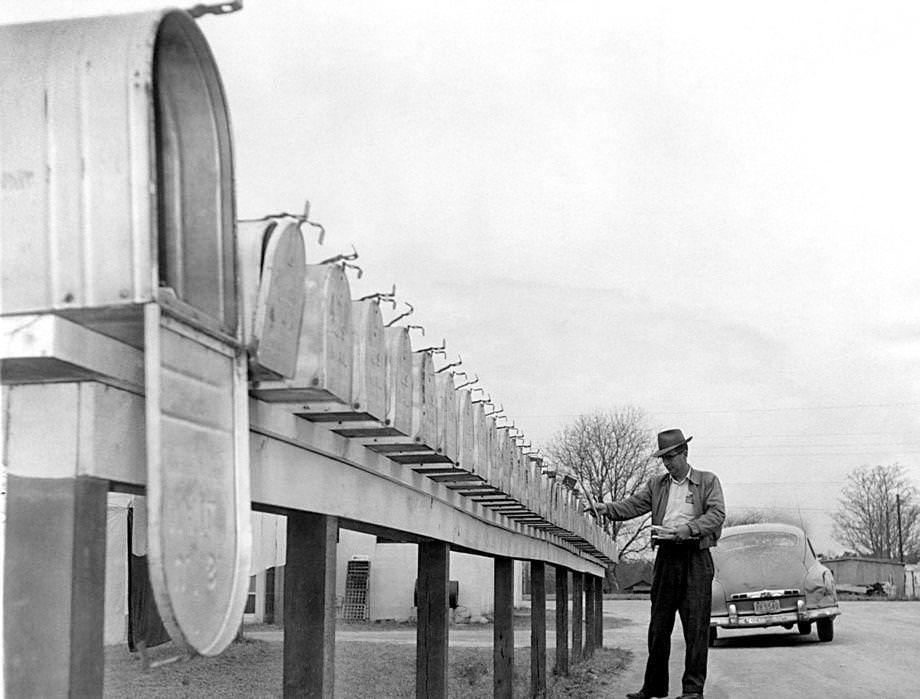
309, 605
599, 612
54, 576
590, 617
503, 629
537, 629
433, 613
562, 621
578, 595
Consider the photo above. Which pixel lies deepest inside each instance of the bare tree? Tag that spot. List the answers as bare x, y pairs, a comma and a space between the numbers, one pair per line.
609, 454
867, 519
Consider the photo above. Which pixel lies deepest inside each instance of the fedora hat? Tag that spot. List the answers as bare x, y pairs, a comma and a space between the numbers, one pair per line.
669, 440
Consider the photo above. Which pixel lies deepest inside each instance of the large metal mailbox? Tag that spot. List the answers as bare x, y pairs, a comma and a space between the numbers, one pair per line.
399, 380
272, 275
424, 432
117, 173
323, 378
448, 416
118, 215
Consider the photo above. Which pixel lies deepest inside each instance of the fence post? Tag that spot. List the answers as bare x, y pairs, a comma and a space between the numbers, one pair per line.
578, 590
54, 575
309, 605
503, 629
599, 612
590, 616
562, 621
432, 629
537, 629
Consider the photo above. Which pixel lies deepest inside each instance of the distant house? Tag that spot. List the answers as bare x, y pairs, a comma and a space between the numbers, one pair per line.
912, 581
867, 572
642, 587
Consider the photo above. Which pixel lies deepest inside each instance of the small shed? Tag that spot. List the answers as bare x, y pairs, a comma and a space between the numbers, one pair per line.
868, 571
641, 586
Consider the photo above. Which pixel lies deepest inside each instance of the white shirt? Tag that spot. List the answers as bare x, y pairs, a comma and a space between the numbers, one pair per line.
680, 503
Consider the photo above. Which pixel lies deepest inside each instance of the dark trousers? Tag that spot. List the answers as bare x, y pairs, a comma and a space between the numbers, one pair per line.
682, 583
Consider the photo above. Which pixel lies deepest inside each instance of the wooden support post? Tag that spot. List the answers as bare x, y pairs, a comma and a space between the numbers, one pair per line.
590, 617
309, 605
503, 629
599, 612
562, 621
578, 596
433, 610
54, 578
537, 629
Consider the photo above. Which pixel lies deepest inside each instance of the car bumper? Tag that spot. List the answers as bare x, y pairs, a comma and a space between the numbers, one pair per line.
763, 620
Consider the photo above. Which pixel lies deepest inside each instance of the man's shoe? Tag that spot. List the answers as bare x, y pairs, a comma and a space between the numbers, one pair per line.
690, 696
642, 694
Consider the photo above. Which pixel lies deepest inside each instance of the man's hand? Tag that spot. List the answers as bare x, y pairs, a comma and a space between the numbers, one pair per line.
683, 533
597, 509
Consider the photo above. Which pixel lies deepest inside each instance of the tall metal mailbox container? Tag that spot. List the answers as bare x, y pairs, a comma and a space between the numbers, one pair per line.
118, 214
117, 173
323, 375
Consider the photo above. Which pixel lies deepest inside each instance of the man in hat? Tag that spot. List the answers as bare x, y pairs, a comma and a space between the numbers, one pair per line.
687, 513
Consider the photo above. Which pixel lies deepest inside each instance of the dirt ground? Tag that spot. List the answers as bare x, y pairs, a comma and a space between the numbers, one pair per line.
252, 667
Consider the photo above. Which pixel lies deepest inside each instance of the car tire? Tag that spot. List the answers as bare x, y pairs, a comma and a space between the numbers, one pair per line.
826, 629
804, 627
713, 635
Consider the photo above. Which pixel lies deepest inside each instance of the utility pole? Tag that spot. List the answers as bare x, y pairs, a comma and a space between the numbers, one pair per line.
897, 499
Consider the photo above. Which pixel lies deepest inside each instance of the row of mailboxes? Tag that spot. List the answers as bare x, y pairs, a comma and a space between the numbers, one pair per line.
330, 359
119, 215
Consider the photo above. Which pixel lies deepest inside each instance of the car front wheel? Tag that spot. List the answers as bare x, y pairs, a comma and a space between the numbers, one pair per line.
804, 627
825, 629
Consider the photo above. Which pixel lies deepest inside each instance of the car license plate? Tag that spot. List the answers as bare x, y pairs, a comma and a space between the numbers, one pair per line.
766, 606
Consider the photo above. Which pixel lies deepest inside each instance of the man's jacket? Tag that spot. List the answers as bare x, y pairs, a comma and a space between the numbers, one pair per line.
652, 496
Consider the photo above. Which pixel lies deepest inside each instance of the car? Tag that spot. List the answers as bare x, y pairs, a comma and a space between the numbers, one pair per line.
768, 575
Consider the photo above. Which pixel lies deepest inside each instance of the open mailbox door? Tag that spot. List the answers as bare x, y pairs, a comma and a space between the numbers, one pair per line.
197, 481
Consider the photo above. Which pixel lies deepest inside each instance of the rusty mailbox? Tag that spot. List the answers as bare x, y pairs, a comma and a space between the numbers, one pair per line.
118, 214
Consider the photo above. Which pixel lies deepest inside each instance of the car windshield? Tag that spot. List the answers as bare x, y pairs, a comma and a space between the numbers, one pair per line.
759, 539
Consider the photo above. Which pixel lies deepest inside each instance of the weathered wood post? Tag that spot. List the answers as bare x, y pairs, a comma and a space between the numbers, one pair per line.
562, 621
309, 605
590, 616
578, 590
503, 629
537, 629
432, 629
599, 612
54, 568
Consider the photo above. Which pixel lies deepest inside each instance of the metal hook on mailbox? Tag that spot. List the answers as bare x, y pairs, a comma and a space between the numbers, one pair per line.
404, 314
468, 383
344, 257
382, 297
306, 219
221, 8
300, 218
451, 365
442, 350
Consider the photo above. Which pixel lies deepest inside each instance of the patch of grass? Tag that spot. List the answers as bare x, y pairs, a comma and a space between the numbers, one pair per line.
363, 669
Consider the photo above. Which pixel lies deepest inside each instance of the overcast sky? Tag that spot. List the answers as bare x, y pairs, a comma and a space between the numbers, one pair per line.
705, 210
